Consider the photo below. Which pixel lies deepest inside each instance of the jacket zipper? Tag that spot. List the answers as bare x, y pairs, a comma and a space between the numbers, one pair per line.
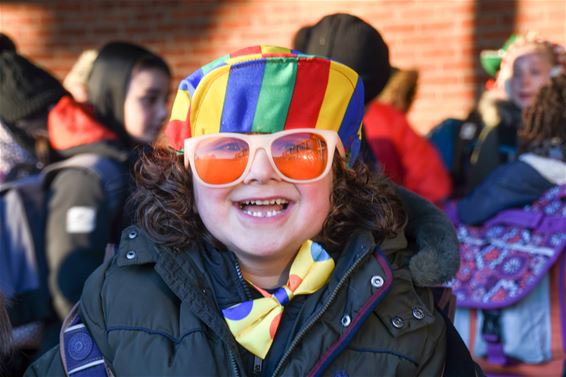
241, 279
316, 317
248, 296
258, 365
233, 363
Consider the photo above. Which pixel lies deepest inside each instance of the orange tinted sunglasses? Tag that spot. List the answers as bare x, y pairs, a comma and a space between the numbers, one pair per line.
300, 155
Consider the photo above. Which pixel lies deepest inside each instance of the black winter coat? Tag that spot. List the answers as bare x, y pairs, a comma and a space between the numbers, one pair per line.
153, 312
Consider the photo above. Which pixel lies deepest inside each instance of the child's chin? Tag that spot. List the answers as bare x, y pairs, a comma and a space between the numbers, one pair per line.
521, 103
262, 248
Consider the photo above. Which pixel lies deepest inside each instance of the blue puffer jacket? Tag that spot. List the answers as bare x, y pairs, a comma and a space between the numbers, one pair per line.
512, 185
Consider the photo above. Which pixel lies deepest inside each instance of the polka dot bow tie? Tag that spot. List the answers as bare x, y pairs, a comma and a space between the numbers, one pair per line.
254, 323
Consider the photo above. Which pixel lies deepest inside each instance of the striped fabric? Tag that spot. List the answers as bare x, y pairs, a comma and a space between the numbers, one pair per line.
265, 89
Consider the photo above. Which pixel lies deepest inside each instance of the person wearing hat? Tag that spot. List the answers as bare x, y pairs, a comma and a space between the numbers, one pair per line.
406, 157
263, 246
487, 138
528, 63
28, 92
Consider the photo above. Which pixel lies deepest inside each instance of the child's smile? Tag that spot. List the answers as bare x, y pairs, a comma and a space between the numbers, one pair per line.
263, 208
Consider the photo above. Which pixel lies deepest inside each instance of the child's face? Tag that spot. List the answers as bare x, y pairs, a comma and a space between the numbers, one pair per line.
264, 217
530, 73
145, 107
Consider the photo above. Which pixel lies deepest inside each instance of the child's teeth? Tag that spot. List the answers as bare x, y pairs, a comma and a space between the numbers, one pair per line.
262, 214
265, 202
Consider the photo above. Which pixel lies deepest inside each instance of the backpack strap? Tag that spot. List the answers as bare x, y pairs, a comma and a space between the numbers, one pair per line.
466, 138
109, 171
80, 354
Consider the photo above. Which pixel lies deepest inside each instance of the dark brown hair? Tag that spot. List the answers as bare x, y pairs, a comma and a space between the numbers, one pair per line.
163, 204
545, 119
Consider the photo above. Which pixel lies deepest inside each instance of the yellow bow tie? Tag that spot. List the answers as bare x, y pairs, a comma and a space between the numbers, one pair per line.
254, 323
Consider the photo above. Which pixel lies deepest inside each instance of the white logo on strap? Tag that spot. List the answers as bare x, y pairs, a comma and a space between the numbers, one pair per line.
81, 219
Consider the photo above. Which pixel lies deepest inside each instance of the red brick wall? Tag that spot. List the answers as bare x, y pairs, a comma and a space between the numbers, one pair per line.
441, 38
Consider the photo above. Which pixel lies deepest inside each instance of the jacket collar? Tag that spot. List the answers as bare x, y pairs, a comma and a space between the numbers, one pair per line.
137, 248
191, 276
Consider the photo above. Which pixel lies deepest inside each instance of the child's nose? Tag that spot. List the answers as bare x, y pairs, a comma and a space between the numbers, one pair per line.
524, 79
261, 170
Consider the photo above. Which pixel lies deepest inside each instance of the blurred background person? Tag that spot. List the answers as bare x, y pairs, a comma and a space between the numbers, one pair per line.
527, 65
541, 162
487, 138
127, 89
405, 156
27, 93
522, 337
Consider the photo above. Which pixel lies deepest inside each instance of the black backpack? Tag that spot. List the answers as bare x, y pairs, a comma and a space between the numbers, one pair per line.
23, 207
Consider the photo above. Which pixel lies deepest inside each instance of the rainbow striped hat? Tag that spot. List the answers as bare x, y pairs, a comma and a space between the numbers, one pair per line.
266, 89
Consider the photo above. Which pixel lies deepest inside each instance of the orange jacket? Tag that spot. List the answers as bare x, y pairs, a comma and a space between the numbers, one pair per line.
405, 156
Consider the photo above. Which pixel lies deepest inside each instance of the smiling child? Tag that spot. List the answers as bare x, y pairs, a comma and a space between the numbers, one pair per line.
262, 246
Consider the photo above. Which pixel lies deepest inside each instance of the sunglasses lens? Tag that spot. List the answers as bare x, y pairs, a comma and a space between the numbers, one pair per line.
221, 160
300, 156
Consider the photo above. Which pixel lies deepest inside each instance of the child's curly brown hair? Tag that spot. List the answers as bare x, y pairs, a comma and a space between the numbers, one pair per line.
163, 204
545, 119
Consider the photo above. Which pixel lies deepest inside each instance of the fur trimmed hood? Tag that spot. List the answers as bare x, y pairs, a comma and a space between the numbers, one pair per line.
432, 236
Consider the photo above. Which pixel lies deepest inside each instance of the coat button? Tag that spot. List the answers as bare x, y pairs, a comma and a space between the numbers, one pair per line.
398, 322
130, 254
377, 281
346, 320
133, 234
418, 313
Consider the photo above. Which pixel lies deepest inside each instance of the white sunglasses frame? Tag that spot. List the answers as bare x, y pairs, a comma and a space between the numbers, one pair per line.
263, 141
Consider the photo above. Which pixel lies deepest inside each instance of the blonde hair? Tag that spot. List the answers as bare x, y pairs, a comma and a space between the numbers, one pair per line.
77, 78
401, 89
